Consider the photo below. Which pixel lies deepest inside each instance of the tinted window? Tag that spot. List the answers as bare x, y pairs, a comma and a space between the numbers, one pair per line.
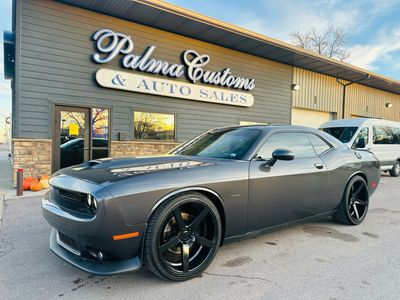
320, 146
100, 143
298, 143
363, 134
343, 134
225, 143
396, 133
383, 135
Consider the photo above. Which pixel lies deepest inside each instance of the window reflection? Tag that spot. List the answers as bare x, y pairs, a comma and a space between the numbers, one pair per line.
153, 126
72, 126
100, 132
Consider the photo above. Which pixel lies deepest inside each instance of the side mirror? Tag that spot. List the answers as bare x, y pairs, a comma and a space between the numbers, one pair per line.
360, 143
280, 154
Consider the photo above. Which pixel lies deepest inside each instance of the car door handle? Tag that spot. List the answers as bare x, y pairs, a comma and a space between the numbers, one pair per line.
318, 165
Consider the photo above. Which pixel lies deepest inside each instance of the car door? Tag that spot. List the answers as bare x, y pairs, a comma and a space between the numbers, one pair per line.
289, 190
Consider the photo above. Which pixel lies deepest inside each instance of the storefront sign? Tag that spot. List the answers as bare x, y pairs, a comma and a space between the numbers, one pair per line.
171, 88
110, 44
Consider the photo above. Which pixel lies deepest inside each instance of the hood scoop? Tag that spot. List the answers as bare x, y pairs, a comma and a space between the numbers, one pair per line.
93, 163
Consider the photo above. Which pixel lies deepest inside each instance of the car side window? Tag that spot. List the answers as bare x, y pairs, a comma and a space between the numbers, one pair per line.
383, 135
297, 142
320, 146
362, 134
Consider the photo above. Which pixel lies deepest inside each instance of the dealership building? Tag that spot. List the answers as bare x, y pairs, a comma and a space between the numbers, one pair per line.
93, 79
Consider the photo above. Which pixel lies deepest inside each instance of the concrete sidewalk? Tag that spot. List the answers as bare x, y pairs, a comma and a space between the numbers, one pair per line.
7, 191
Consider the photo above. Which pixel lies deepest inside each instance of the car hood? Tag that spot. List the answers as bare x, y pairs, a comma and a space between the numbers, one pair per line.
107, 170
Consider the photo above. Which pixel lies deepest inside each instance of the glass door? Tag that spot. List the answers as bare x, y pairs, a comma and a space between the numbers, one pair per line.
99, 134
71, 144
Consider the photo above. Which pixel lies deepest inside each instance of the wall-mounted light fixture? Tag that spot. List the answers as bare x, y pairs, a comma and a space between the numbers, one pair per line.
295, 87
388, 105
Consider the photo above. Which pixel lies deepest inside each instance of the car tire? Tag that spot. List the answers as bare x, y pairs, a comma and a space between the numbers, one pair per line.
395, 171
182, 237
355, 201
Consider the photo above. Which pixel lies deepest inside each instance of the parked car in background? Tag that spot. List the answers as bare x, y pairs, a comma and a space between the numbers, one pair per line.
172, 212
72, 151
381, 137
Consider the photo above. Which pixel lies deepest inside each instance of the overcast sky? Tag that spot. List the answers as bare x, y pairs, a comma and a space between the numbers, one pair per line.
372, 27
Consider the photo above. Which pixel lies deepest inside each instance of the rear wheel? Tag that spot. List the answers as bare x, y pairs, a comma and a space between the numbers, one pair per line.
354, 206
395, 171
182, 237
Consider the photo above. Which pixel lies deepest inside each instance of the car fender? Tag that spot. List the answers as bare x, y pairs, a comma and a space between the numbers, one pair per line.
187, 189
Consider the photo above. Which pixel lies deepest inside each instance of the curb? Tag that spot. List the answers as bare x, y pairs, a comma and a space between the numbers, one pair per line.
2, 199
11, 195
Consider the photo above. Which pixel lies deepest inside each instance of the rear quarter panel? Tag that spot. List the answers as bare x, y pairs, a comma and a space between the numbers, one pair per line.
343, 164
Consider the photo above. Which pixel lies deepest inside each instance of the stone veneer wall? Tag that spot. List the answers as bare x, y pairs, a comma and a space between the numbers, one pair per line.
135, 148
32, 155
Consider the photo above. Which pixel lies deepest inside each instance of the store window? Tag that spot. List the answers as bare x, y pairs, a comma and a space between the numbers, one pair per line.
153, 126
100, 132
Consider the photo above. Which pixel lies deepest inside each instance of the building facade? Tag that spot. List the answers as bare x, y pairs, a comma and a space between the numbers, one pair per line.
141, 77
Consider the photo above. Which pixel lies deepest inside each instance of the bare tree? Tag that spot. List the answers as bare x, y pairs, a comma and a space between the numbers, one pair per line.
144, 125
330, 43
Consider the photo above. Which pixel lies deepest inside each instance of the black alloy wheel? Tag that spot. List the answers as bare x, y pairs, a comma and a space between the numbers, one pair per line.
354, 206
183, 236
395, 171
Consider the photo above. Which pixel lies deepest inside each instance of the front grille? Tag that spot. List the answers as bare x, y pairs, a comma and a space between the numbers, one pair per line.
71, 200
72, 196
68, 243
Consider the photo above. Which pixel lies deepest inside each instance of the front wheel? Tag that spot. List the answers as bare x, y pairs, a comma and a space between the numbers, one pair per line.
395, 171
354, 206
183, 236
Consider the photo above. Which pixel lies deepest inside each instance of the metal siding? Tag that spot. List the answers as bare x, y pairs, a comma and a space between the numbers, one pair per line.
56, 68
16, 82
369, 102
360, 100
327, 91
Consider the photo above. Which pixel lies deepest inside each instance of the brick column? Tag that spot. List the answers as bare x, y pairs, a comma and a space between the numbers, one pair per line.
33, 155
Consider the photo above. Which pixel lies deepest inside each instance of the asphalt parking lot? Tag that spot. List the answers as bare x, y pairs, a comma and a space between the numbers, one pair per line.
319, 260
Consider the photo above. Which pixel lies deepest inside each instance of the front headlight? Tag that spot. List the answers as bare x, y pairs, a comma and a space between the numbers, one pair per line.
91, 202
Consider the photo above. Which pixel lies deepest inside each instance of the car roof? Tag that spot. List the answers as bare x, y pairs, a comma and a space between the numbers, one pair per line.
270, 127
357, 122
284, 127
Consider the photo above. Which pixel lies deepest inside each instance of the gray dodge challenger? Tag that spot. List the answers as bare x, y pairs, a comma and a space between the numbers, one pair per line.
171, 213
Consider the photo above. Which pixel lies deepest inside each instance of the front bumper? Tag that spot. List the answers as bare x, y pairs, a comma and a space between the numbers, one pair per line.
92, 266
92, 235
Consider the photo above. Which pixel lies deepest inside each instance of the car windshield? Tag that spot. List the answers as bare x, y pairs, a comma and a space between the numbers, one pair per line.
343, 134
231, 143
